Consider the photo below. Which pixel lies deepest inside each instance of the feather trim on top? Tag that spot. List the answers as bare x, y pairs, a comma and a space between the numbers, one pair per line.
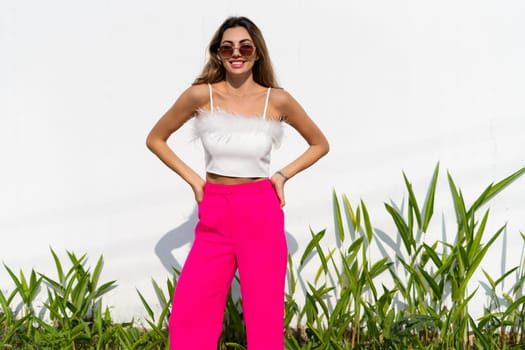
225, 124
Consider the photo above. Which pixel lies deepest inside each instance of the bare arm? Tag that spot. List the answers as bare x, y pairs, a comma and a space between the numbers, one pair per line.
295, 115
184, 109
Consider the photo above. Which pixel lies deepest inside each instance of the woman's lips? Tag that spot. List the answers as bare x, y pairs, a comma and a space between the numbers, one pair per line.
236, 63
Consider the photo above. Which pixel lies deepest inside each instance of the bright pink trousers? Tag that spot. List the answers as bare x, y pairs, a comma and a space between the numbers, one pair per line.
240, 227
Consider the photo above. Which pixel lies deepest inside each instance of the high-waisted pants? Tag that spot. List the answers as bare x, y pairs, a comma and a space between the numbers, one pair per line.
240, 227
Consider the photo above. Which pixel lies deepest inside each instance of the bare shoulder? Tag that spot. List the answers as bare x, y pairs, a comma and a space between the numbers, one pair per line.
196, 96
287, 106
281, 98
187, 105
293, 114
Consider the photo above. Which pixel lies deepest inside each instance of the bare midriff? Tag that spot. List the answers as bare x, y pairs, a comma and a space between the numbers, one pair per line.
228, 180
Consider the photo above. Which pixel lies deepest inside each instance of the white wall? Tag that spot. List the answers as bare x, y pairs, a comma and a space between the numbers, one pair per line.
396, 85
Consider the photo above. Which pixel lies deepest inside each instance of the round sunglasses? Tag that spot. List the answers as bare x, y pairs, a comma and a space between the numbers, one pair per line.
245, 50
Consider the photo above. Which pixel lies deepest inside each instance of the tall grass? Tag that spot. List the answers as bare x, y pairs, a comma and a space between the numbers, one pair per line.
418, 297
427, 305
73, 307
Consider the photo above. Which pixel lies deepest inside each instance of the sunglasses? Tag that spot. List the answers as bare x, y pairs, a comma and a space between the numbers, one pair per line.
245, 50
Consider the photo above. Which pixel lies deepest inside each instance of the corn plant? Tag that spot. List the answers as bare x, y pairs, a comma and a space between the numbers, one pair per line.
515, 312
232, 337
337, 309
344, 308
159, 326
502, 321
453, 265
424, 306
74, 297
469, 251
27, 290
413, 288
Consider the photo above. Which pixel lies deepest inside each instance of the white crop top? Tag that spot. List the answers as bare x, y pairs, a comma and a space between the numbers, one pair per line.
237, 145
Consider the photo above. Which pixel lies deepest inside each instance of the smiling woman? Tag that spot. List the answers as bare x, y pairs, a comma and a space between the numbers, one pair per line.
239, 112
237, 51
246, 32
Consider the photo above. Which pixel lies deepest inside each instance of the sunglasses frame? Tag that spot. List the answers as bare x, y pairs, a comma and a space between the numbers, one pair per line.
233, 48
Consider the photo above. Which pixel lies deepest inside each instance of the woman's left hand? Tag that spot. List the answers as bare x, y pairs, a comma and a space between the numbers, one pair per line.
278, 184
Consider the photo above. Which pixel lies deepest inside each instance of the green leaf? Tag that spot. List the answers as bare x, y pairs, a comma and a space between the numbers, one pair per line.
431, 252
21, 289
160, 294
342, 306
318, 294
413, 207
368, 226
96, 272
491, 281
291, 279
514, 305
434, 286
149, 310
324, 266
80, 295
505, 275
428, 206
58, 266
479, 258
402, 228
474, 246
104, 288
312, 244
494, 189
321, 255
379, 267
338, 218
6, 310
354, 217
459, 206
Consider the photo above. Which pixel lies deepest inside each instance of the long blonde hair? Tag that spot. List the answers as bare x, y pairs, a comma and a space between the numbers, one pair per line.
214, 72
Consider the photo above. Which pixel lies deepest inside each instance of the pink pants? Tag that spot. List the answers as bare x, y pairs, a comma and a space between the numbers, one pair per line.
240, 227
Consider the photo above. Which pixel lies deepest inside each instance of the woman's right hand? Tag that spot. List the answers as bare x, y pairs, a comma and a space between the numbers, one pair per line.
198, 191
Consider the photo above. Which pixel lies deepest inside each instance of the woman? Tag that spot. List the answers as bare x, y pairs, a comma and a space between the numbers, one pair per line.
238, 114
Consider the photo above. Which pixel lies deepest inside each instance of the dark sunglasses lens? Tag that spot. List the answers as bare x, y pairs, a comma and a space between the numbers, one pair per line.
246, 50
226, 51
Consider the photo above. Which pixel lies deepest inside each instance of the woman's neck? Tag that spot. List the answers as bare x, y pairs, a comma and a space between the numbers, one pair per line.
240, 86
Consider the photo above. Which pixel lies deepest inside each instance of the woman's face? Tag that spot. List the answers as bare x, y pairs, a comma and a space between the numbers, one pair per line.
241, 59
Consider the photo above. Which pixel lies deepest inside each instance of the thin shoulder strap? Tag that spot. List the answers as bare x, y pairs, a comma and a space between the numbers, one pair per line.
211, 97
266, 103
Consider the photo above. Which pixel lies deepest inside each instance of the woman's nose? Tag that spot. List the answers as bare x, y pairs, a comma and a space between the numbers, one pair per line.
236, 52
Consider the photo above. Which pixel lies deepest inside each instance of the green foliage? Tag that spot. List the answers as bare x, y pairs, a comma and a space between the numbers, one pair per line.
74, 307
428, 304
418, 298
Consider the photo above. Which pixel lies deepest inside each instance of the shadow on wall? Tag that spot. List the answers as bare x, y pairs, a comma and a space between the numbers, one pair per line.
183, 235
